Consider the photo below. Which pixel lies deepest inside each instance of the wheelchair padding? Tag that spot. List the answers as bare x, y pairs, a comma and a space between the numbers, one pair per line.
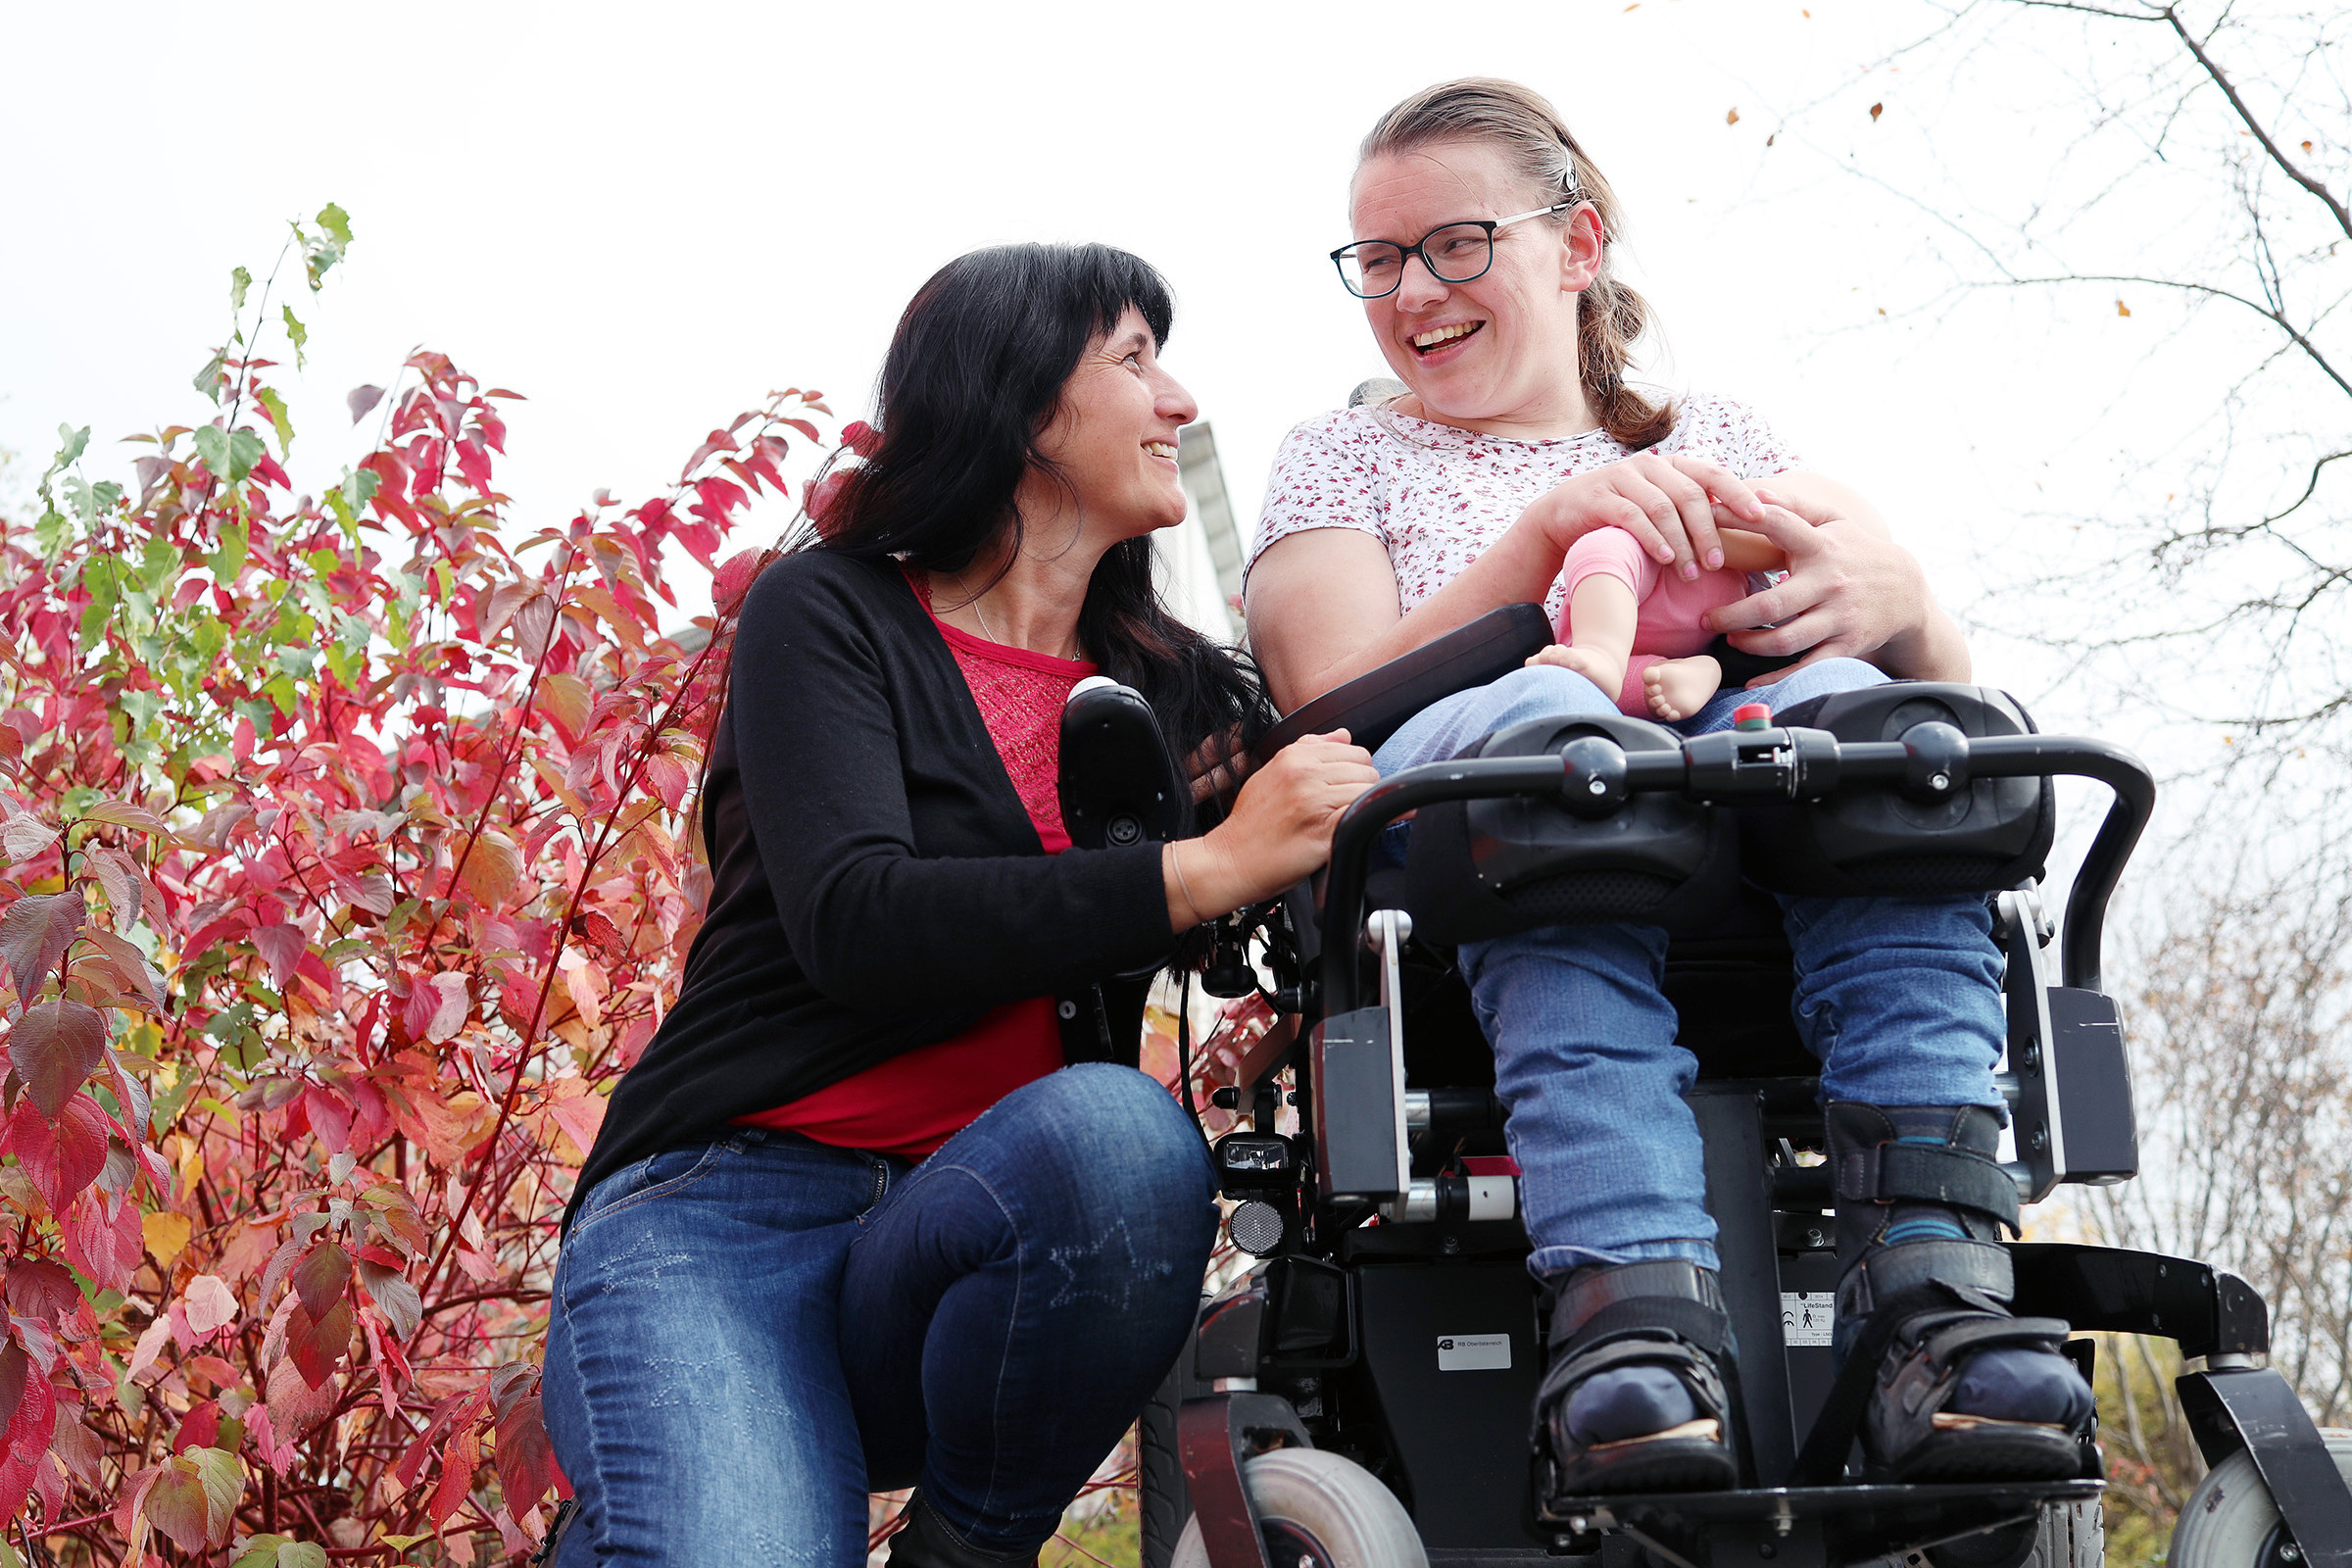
1479, 869
1875, 841
1375, 706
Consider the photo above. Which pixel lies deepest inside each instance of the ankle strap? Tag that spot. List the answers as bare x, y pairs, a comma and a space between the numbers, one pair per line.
1669, 1296
1978, 1273
1927, 1173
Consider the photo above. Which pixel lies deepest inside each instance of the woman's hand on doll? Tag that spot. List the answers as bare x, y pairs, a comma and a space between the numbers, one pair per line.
1278, 832
1666, 500
1850, 593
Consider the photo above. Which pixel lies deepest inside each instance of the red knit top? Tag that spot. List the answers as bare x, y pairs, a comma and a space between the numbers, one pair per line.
918, 1099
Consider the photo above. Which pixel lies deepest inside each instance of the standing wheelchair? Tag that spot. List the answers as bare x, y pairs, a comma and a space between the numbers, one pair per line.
1360, 1398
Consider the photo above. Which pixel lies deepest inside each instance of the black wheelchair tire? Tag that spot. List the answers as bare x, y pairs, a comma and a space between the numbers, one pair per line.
1164, 1503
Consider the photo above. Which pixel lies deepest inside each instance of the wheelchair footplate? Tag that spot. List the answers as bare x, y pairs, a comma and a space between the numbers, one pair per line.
1805, 1527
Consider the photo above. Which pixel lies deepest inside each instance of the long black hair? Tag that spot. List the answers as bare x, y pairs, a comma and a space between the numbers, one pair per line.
973, 377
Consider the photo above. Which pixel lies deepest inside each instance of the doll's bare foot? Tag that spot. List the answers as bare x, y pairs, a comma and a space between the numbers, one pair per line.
1677, 688
1596, 666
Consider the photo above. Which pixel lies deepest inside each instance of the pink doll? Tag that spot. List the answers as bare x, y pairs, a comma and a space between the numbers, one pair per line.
1637, 631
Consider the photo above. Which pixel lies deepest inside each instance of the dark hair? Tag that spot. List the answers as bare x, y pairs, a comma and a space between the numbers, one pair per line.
973, 376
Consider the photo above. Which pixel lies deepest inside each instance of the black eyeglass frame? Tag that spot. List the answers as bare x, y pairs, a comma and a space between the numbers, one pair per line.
1406, 253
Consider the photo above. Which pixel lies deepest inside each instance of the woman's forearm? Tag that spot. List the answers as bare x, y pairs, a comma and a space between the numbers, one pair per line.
1322, 605
1934, 649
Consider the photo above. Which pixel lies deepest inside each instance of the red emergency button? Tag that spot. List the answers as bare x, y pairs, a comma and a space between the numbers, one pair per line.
1751, 716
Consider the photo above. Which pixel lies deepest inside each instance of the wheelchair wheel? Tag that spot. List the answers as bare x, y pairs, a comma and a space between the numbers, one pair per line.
2069, 1534
2230, 1521
1319, 1511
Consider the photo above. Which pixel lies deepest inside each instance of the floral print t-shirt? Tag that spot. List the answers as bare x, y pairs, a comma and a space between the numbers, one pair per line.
1435, 496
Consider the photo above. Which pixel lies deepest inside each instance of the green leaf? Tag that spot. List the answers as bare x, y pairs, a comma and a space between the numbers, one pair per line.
228, 454
207, 379
158, 565
212, 450
69, 449
298, 334
262, 1552
223, 1481
226, 561
276, 406
89, 499
322, 251
239, 280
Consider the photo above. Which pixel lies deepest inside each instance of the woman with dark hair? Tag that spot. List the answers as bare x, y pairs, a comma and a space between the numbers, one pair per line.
878, 1207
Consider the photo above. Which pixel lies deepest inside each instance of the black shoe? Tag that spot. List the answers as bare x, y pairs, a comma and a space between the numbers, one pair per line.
924, 1539
1633, 1398
1964, 1391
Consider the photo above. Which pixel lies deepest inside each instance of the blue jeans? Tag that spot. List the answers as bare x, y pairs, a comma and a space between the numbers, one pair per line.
750, 1333
1898, 998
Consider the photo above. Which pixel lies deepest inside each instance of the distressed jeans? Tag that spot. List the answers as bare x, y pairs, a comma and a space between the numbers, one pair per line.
1898, 998
751, 1332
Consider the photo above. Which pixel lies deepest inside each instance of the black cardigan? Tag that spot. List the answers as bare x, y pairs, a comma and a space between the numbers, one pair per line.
876, 884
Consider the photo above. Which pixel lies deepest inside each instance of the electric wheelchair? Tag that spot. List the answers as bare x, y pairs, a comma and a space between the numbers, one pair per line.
1360, 1399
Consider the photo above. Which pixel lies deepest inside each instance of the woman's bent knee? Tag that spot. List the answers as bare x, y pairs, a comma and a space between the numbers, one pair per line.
1128, 1132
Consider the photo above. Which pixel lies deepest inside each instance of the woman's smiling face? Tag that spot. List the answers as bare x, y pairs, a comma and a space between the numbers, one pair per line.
1113, 434
1499, 351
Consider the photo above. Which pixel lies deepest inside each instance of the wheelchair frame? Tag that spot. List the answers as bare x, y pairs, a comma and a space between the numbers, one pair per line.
1328, 1343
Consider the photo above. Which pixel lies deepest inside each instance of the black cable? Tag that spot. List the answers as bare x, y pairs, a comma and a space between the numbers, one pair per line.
1183, 1052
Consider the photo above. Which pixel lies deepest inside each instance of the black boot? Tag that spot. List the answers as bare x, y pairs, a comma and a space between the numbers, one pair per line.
1964, 1391
1634, 1398
926, 1541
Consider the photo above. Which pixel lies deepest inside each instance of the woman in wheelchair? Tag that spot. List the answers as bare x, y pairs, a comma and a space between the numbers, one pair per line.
1482, 261
852, 1223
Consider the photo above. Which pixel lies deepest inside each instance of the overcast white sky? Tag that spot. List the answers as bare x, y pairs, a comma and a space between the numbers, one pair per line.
644, 218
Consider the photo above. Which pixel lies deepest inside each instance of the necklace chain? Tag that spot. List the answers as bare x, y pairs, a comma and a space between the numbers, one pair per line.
990, 633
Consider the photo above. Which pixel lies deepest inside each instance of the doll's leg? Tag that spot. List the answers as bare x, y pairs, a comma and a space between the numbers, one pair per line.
1677, 688
1599, 632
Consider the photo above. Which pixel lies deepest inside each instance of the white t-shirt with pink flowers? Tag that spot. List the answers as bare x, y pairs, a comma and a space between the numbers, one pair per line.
1435, 496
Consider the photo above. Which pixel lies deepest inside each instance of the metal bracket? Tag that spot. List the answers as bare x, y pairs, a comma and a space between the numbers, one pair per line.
2254, 1409
2032, 1065
1216, 1437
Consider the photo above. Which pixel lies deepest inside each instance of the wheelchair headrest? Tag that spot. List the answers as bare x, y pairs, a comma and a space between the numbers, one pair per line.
1119, 785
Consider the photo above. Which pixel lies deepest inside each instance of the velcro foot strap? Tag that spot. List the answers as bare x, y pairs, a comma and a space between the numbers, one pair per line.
1927, 1173
1977, 1274
1662, 1312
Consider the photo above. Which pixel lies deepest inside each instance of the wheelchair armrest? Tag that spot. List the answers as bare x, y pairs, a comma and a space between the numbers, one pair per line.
1374, 706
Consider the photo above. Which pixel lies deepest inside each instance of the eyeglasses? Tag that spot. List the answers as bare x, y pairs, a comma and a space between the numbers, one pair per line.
1454, 253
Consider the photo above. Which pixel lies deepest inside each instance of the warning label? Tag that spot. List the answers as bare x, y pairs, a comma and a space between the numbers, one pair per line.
1805, 1317
1474, 1352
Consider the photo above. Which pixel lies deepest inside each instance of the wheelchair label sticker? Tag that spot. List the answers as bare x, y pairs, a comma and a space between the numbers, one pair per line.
1474, 1352
1805, 1317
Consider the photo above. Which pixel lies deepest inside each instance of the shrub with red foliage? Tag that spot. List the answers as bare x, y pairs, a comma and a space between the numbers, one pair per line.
346, 864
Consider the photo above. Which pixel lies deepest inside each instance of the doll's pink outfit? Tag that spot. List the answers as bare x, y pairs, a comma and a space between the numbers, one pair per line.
1669, 623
